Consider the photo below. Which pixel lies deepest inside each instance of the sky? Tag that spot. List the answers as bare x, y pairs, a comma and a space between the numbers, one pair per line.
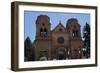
31, 16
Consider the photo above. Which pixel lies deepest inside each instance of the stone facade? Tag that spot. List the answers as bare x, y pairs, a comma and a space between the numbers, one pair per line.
59, 43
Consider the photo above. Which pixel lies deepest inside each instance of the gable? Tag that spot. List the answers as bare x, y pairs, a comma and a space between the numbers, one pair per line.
59, 28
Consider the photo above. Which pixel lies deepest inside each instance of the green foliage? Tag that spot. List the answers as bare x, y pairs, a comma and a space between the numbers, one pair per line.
86, 41
28, 50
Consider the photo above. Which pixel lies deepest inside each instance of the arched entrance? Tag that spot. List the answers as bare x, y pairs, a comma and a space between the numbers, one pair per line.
61, 53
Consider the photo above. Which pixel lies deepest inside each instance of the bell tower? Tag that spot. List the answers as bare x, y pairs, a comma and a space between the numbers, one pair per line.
76, 43
73, 28
43, 27
43, 38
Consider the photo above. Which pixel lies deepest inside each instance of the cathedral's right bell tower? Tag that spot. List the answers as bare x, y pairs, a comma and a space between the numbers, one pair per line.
74, 30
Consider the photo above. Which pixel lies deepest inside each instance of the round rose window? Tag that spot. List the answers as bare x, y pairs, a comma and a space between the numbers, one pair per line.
60, 40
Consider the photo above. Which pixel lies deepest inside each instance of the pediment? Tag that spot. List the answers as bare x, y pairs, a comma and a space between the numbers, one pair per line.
59, 28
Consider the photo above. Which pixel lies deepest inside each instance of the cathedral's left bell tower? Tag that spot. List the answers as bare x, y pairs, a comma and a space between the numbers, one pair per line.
43, 27
43, 37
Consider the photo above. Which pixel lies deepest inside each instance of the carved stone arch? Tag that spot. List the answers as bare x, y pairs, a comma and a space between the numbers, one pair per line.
61, 53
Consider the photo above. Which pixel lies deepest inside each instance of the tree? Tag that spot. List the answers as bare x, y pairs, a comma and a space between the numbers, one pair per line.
32, 57
86, 41
29, 50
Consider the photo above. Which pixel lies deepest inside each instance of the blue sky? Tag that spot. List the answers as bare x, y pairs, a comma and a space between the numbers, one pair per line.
31, 16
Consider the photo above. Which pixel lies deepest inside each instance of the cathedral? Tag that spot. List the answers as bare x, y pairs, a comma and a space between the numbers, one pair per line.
60, 43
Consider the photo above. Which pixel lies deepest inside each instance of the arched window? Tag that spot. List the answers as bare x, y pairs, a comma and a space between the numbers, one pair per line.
43, 32
75, 33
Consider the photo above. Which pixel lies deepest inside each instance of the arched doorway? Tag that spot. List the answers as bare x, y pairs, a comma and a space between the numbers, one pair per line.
61, 53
